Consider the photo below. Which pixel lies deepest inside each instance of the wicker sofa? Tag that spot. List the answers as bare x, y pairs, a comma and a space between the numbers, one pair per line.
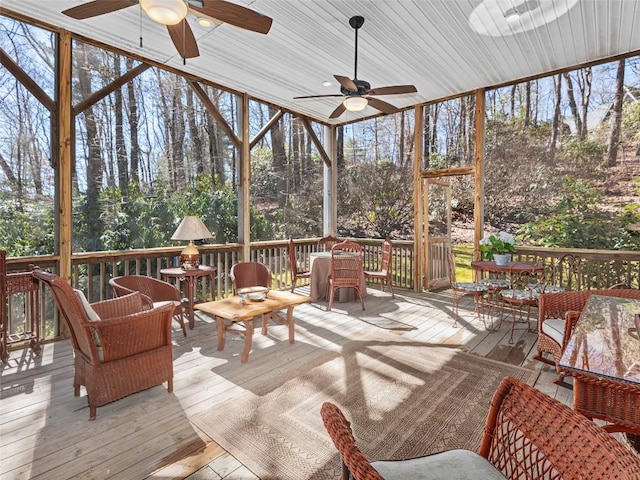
558, 314
527, 435
125, 348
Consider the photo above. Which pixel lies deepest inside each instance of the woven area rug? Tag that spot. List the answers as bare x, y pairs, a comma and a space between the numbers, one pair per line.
403, 398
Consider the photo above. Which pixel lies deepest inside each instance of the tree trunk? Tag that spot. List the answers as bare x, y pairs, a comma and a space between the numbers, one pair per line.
279, 157
177, 136
555, 124
134, 160
527, 104
585, 78
121, 150
340, 149
296, 151
573, 105
92, 213
196, 137
616, 117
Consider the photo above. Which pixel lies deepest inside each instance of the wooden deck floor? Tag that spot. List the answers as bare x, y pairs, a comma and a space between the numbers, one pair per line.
45, 432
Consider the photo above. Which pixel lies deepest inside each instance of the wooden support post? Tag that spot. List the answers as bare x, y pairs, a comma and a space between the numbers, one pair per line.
64, 154
478, 203
244, 197
418, 214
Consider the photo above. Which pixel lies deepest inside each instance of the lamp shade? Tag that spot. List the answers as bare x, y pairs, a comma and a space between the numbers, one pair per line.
166, 12
191, 228
355, 104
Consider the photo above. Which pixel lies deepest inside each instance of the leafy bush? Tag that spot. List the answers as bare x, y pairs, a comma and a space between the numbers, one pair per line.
579, 221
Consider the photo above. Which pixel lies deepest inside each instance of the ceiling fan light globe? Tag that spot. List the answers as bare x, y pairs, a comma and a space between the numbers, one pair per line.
355, 104
165, 12
204, 22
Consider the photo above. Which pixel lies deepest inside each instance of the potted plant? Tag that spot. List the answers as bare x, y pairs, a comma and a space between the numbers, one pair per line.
498, 248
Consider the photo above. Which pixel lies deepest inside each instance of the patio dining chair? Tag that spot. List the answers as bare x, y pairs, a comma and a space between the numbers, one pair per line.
527, 434
326, 243
346, 270
250, 274
521, 297
253, 274
158, 291
293, 264
384, 274
461, 289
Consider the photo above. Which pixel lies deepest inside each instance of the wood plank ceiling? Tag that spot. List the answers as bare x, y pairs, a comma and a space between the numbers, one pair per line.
431, 44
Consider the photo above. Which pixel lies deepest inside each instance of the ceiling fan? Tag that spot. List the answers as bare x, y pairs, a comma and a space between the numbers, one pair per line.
358, 92
172, 13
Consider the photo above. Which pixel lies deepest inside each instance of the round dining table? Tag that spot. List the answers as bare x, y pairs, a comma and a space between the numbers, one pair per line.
510, 268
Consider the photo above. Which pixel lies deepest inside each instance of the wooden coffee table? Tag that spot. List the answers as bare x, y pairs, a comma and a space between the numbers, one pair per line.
236, 310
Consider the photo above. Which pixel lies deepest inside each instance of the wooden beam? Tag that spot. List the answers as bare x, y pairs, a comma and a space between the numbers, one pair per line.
263, 131
478, 197
110, 88
448, 172
316, 141
28, 83
213, 110
65, 144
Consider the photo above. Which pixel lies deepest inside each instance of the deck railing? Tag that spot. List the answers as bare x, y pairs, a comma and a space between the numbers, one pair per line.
91, 271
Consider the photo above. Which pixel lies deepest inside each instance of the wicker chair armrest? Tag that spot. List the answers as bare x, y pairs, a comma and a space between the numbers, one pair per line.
136, 333
122, 306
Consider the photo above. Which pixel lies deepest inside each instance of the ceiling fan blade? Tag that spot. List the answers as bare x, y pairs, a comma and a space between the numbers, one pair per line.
346, 82
233, 14
320, 96
97, 7
183, 39
384, 107
338, 111
395, 90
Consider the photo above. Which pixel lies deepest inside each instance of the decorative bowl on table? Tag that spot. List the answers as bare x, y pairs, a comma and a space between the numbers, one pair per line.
254, 294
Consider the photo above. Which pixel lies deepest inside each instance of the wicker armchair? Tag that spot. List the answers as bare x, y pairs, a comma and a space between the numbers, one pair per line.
527, 434
558, 314
346, 270
384, 274
158, 291
126, 349
293, 263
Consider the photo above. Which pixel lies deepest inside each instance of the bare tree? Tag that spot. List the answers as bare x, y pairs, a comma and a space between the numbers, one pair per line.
555, 123
279, 157
132, 112
616, 116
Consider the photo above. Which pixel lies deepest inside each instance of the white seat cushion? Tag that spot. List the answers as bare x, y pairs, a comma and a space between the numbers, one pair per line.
450, 465
175, 303
93, 317
554, 328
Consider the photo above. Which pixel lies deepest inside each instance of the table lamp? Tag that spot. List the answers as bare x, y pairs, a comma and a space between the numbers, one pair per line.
191, 228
